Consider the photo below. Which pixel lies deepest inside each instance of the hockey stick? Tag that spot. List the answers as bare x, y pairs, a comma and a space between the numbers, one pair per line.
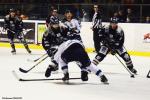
26, 71
148, 76
46, 79
131, 75
11, 31
37, 58
21, 79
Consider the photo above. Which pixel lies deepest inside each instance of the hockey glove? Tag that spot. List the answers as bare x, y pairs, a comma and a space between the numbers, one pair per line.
51, 51
113, 52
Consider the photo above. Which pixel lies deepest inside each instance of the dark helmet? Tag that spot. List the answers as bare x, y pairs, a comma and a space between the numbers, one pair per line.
114, 20
12, 10
54, 20
68, 11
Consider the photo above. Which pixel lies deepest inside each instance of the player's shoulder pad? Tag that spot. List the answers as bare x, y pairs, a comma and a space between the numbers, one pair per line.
119, 29
76, 21
73, 20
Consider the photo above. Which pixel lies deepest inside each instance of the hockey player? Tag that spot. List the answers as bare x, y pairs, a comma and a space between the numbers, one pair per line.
14, 26
51, 39
53, 15
96, 25
113, 40
71, 30
72, 49
69, 26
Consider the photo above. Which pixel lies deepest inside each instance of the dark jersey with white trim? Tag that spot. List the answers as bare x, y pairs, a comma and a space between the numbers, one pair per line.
13, 23
112, 38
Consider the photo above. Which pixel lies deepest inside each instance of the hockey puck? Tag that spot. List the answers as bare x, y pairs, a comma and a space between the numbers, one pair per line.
132, 76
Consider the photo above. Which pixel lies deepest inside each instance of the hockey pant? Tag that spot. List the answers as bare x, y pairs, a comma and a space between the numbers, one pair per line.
20, 36
121, 52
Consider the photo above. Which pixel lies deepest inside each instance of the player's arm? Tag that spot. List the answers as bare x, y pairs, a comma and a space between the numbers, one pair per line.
6, 22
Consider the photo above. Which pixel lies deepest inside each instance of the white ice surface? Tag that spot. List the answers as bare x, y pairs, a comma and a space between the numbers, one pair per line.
121, 86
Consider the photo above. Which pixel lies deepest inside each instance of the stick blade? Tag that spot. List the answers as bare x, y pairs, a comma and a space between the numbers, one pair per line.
148, 76
22, 70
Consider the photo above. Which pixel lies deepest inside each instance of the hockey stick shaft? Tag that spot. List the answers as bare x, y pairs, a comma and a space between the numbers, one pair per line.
22, 79
10, 30
26, 71
124, 65
46, 79
38, 58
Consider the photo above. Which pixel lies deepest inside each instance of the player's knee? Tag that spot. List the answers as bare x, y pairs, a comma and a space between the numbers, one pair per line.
85, 64
11, 42
98, 58
125, 56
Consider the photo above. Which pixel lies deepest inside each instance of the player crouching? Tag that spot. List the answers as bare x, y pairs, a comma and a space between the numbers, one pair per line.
72, 49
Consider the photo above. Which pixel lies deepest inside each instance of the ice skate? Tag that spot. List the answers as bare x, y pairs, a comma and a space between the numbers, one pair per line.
66, 78
133, 70
13, 51
49, 70
84, 76
104, 79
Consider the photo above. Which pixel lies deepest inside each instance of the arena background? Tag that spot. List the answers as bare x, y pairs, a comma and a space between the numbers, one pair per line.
36, 12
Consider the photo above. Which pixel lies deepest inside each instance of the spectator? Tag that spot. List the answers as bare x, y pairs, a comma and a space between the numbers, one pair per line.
130, 16
127, 1
78, 13
115, 15
147, 20
84, 18
121, 16
22, 16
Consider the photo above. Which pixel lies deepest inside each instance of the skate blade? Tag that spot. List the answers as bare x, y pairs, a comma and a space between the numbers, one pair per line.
13, 53
106, 83
66, 81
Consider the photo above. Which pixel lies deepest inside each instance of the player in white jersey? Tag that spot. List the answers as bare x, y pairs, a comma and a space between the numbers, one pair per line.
71, 25
72, 49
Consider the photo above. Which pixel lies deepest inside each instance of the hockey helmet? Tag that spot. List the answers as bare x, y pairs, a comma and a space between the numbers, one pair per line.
68, 11
114, 20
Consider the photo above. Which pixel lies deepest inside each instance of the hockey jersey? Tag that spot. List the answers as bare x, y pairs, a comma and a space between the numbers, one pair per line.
112, 38
14, 24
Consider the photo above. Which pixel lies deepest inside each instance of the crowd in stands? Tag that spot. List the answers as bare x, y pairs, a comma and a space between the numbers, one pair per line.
77, 1
124, 10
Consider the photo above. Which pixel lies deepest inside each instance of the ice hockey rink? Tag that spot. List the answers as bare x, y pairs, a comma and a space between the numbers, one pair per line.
121, 85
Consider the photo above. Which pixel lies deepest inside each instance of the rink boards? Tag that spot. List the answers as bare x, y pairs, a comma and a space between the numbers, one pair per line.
134, 36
